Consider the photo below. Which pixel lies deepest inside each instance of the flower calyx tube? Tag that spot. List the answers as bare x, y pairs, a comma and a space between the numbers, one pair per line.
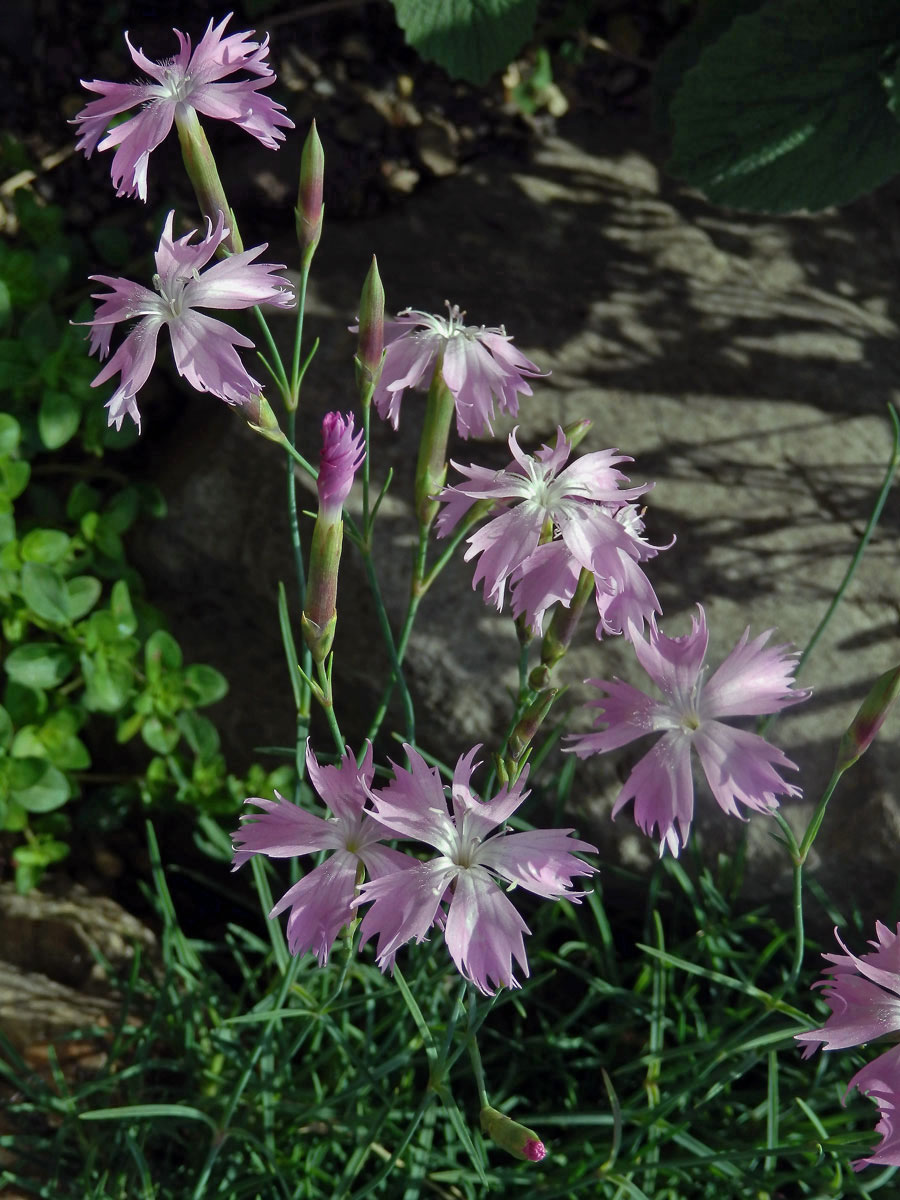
310, 208
342, 454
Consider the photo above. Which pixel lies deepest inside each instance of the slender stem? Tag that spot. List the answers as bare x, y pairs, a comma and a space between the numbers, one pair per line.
892, 466
324, 673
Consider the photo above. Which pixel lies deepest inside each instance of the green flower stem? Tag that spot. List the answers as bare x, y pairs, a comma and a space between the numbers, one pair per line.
323, 670
475, 1055
277, 371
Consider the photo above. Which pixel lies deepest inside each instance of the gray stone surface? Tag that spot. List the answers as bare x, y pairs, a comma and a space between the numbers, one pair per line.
745, 363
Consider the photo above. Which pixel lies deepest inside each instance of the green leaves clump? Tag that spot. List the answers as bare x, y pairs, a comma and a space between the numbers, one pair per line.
791, 106
470, 39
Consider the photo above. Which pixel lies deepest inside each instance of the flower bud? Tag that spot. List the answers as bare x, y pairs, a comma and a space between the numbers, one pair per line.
871, 716
310, 205
259, 416
342, 454
515, 1138
532, 719
576, 431
370, 349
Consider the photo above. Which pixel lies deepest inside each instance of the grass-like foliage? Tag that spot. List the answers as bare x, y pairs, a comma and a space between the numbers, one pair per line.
655, 1054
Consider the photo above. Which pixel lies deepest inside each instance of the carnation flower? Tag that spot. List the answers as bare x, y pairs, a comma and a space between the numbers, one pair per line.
478, 365
482, 929
739, 766
540, 495
342, 455
321, 903
864, 997
204, 347
187, 81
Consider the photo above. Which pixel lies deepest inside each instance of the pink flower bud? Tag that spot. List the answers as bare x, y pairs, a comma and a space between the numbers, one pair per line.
310, 205
869, 719
342, 454
515, 1138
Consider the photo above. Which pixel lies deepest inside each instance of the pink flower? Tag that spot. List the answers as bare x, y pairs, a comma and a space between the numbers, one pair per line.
187, 81
738, 765
342, 455
540, 495
321, 903
481, 927
204, 348
478, 365
864, 997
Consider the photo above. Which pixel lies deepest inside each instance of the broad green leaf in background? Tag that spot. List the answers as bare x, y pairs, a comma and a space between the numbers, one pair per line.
44, 591
40, 664
44, 545
10, 434
82, 593
206, 684
58, 418
36, 785
788, 109
470, 39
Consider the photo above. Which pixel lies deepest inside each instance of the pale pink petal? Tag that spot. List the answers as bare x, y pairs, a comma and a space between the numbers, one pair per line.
413, 804
738, 767
503, 544
341, 787
662, 788
752, 680
860, 1012
484, 932
282, 830
541, 861
404, 906
205, 356
548, 576
674, 663
629, 713
320, 905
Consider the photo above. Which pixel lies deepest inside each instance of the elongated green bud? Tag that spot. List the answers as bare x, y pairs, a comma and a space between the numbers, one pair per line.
576, 431
431, 468
871, 716
516, 1139
370, 345
532, 719
310, 204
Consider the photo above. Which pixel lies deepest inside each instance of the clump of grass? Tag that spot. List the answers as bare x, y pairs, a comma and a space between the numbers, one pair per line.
655, 1058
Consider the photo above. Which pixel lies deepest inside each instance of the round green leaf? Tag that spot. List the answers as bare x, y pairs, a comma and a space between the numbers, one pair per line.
82, 593
10, 434
58, 418
44, 545
44, 591
109, 683
36, 785
6, 729
162, 653
40, 664
159, 736
206, 684
14, 476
